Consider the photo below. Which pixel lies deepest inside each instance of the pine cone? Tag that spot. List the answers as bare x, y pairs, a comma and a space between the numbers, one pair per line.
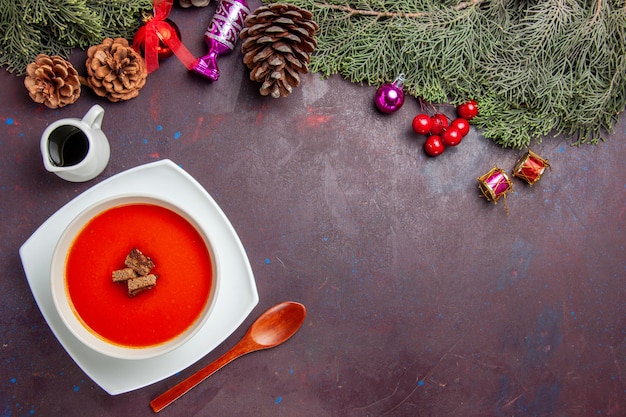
53, 81
115, 70
195, 3
277, 43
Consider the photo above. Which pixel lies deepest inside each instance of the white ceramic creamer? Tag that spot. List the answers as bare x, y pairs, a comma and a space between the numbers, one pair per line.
75, 149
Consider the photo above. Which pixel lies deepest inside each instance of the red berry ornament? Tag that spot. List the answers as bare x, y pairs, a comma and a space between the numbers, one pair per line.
440, 123
468, 110
165, 33
434, 146
451, 137
422, 124
461, 124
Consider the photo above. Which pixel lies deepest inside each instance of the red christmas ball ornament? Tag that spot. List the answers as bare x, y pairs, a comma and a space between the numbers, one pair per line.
461, 124
422, 124
451, 137
434, 146
164, 33
468, 110
440, 123
390, 96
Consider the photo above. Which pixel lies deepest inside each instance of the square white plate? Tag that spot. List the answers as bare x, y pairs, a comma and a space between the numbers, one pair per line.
237, 295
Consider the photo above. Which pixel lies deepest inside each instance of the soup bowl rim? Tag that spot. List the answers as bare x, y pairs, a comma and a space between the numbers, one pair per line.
63, 303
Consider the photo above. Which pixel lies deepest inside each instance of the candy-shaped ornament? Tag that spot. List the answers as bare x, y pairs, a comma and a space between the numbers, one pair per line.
390, 96
221, 35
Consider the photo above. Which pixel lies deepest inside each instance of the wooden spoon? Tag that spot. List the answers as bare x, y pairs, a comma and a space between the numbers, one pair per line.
271, 329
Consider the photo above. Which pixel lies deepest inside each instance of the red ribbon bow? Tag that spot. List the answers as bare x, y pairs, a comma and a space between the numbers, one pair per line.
154, 27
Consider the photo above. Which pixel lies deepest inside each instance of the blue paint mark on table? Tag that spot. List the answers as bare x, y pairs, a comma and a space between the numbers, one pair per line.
543, 402
546, 337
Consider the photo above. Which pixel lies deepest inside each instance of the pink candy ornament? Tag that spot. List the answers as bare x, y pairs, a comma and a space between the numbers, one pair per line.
390, 97
222, 35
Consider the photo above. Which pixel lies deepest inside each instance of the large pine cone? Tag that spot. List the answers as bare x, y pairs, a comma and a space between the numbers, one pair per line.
115, 70
277, 44
52, 80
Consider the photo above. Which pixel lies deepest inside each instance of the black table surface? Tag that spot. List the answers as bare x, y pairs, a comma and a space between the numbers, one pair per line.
423, 298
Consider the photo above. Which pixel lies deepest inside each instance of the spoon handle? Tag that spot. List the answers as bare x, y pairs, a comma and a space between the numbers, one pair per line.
187, 384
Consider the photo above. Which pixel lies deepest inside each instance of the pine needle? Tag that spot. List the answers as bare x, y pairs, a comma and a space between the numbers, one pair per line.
55, 27
537, 68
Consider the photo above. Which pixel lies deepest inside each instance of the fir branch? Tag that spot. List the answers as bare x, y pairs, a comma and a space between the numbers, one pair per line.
536, 68
351, 11
122, 17
55, 27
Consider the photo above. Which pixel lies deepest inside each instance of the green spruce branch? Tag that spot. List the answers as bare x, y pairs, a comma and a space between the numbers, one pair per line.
55, 27
537, 68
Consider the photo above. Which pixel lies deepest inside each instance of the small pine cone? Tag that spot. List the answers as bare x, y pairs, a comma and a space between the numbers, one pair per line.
277, 44
52, 80
196, 3
115, 70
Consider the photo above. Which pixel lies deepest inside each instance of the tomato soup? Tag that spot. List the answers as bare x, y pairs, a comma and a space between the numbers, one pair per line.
182, 264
